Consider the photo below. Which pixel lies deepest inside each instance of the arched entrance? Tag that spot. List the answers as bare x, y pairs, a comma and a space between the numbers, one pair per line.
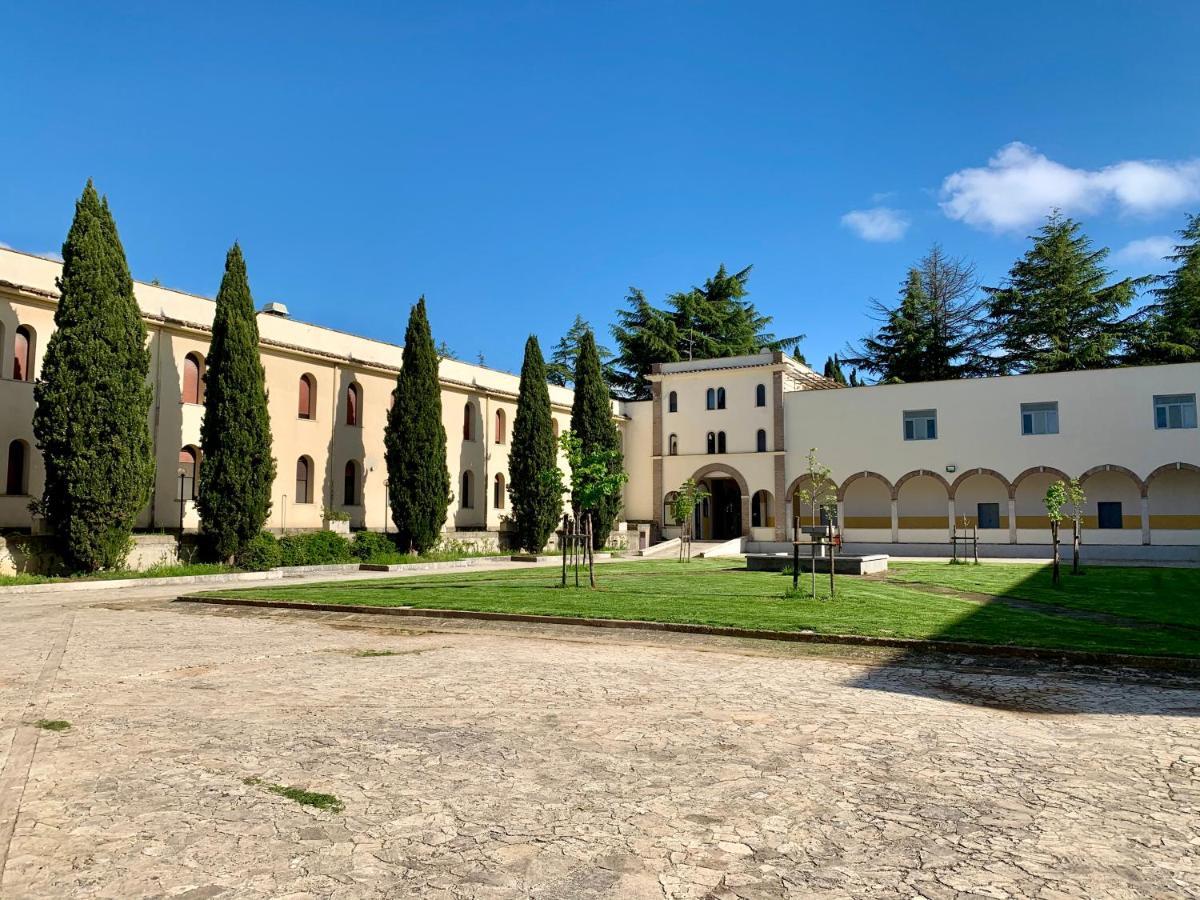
725, 514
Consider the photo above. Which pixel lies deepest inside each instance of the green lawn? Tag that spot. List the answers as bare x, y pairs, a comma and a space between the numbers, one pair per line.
717, 592
1155, 595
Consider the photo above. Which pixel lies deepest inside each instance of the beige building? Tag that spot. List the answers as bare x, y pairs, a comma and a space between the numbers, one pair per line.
909, 460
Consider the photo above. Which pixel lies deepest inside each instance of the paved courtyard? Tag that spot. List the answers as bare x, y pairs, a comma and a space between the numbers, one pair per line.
514, 761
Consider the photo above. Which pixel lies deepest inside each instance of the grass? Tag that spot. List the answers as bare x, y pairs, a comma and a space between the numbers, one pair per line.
159, 571
53, 724
300, 795
719, 592
408, 559
369, 654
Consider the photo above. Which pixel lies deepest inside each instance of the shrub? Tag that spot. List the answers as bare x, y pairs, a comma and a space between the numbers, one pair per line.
314, 548
371, 546
260, 553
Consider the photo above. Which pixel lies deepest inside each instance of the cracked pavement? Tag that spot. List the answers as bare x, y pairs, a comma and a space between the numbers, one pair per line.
494, 761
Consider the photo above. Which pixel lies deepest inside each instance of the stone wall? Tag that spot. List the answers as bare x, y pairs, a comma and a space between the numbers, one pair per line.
28, 554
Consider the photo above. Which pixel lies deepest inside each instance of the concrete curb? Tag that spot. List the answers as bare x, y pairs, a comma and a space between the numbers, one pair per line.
1071, 657
99, 584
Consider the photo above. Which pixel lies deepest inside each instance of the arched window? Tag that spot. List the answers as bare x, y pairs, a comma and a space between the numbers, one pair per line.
307, 407
22, 369
304, 480
760, 395
761, 514
711, 442
720, 442
672, 402
467, 498
761, 439
710, 399
189, 469
720, 398
669, 508
498, 491
501, 437
17, 481
673, 445
193, 378
350, 488
354, 405
468, 421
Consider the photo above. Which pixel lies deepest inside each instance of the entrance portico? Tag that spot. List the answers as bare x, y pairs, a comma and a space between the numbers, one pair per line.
725, 515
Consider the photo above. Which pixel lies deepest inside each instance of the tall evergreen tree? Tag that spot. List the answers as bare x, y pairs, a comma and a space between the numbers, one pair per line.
1056, 313
415, 442
1169, 329
237, 470
93, 399
536, 503
706, 322
592, 423
561, 368
934, 332
833, 370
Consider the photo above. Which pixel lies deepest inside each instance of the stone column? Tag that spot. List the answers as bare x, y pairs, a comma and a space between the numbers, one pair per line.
1012, 520
780, 487
1145, 520
895, 521
950, 507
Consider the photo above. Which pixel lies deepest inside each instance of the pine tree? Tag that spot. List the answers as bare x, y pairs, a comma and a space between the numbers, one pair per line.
934, 333
854, 382
592, 423
833, 370
561, 368
1056, 314
415, 442
1169, 329
93, 400
536, 503
709, 321
237, 471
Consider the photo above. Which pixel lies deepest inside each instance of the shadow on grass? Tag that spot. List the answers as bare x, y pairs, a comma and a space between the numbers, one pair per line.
1164, 600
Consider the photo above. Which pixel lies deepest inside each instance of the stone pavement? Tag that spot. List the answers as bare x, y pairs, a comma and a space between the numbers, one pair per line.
495, 761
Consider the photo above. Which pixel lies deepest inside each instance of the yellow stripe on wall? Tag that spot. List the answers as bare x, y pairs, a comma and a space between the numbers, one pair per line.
924, 522
868, 521
1175, 523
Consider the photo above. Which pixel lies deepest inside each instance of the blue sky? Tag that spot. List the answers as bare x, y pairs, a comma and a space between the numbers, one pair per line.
519, 163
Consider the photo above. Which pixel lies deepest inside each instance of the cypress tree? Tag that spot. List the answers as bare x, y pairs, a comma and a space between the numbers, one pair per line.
237, 470
592, 422
1056, 314
415, 442
93, 400
535, 503
1170, 328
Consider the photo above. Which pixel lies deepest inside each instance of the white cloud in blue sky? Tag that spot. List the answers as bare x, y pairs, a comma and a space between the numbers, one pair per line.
1147, 250
1019, 186
880, 223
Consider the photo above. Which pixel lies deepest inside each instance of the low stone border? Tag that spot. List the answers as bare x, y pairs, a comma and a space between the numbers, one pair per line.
552, 557
98, 584
1072, 657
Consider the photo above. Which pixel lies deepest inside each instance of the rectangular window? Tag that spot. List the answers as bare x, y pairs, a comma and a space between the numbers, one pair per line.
1039, 418
988, 515
920, 425
1175, 411
1108, 515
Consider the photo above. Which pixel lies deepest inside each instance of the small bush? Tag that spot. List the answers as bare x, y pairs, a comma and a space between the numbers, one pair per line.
314, 548
371, 546
260, 553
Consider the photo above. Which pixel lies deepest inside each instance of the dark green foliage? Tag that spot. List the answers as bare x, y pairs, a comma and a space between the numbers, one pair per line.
314, 548
93, 398
833, 370
371, 546
1056, 314
418, 479
706, 322
561, 368
237, 469
536, 503
1168, 331
854, 382
259, 553
934, 333
592, 423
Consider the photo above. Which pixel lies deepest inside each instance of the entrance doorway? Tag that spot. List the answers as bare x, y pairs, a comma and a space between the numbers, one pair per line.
726, 506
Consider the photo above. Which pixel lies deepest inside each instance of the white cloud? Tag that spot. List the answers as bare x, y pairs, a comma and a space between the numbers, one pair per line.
1146, 250
880, 223
1019, 186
